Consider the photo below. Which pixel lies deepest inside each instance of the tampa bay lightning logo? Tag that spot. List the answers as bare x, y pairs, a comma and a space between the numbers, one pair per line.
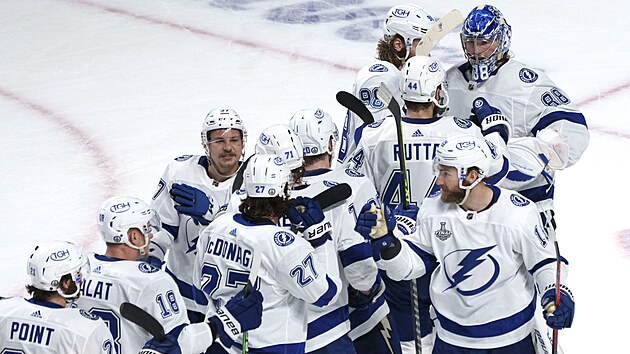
470, 272
329, 183
352, 173
183, 158
241, 191
462, 123
283, 238
88, 315
278, 161
519, 200
542, 236
433, 67
378, 68
264, 139
493, 150
147, 268
319, 114
376, 124
527, 75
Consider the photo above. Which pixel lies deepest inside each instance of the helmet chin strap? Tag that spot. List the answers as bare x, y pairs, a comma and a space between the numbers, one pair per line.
141, 249
468, 189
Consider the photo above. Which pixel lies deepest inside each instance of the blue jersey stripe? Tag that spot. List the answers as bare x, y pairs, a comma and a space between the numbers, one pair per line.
355, 254
327, 322
328, 295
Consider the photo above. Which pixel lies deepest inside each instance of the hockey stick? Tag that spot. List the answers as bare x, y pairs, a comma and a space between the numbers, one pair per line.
386, 96
333, 195
355, 105
143, 319
238, 180
251, 280
552, 233
440, 29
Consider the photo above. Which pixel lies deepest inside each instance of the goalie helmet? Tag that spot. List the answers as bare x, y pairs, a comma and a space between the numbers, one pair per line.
315, 129
409, 21
280, 140
464, 152
50, 261
266, 176
369, 79
485, 24
117, 215
224, 118
422, 77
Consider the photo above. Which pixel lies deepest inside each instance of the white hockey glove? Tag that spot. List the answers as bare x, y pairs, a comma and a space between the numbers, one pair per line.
308, 218
490, 119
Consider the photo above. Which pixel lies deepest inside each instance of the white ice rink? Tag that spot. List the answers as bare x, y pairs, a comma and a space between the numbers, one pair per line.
97, 96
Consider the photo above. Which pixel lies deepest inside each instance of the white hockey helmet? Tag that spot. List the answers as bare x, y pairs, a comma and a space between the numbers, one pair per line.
368, 80
409, 21
315, 128
50, 261
266, 176
422, 77
119, 214
280, 140
464, 152
222, 118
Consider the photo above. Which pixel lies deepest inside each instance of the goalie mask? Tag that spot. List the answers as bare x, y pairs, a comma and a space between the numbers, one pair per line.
369, 79
221, 119
485, 28
118, 215
409, 21
315, 129
280, 140
422, 78
267, 176
50, 261
464, 152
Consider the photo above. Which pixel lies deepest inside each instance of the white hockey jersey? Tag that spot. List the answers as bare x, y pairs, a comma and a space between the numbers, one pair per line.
377, 154
113, 281
34, 327
484, 257
347, 255
532, 104
291, 275
365, 88
184, 232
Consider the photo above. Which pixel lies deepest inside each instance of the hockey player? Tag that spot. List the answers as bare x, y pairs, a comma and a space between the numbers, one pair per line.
490, 244
426, 97
191, 191
403, 28
127, 224
549, 132
291, 273
281, 140
348, 253
43, 324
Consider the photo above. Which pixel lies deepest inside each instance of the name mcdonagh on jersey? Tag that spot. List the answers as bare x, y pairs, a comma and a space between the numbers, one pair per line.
230, 251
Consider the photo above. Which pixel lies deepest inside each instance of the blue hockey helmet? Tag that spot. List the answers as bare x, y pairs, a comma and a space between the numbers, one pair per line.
485, 39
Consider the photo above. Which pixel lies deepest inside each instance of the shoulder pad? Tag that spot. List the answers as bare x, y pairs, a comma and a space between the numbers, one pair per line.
88, 315
147, 268
183, 158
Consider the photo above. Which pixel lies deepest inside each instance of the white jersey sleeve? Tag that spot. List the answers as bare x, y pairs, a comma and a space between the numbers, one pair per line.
29, 326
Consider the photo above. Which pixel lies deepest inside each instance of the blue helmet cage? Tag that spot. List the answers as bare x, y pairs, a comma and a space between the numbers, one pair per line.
486, 23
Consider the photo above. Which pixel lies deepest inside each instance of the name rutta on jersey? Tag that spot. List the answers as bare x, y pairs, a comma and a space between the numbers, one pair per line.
417, 151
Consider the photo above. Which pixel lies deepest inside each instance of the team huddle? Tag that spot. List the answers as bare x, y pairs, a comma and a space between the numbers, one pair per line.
430, 228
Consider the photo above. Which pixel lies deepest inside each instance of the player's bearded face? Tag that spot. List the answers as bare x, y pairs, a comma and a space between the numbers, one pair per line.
448, 182
226, 147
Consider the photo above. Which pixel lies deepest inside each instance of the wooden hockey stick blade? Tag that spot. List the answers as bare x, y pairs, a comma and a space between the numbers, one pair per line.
333, 195
238, 180
143, 319
439, 30
354, 104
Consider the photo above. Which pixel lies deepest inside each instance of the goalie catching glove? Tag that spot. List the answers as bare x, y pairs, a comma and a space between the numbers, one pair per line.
307, 217
489, 119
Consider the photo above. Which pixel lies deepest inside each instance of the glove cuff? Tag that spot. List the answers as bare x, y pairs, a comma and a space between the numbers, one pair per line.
405, 224
226, 323
549, 294
391, 252
316, 231
148, 351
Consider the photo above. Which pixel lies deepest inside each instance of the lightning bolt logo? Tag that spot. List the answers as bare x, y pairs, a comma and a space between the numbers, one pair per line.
467, 265
386, 332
